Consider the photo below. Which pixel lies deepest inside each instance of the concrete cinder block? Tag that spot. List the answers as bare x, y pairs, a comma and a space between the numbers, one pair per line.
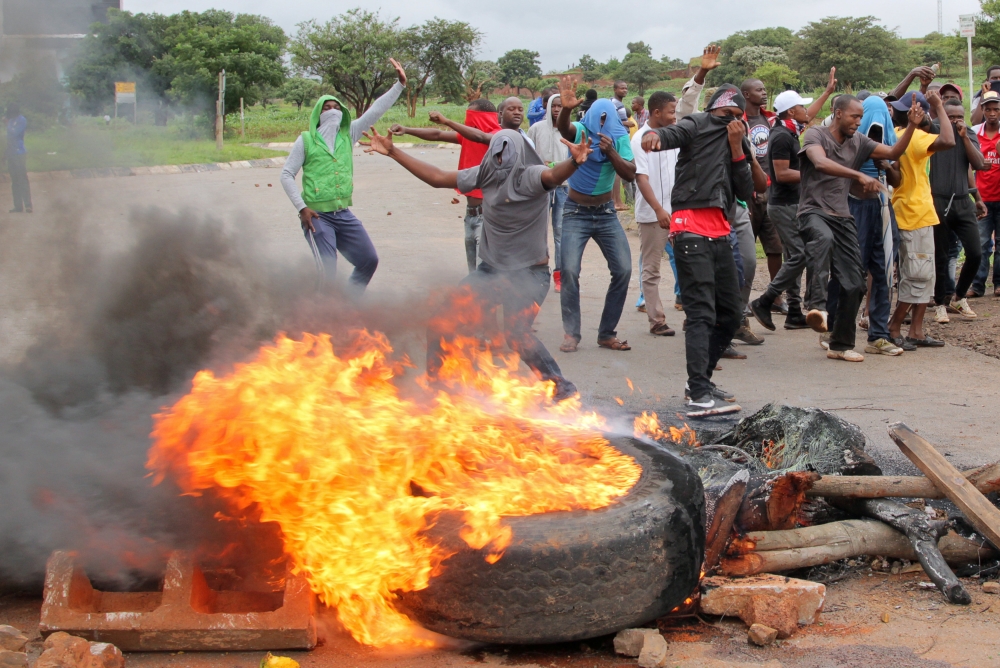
654, 651
779, 602
185, 615
762, 635
629, 642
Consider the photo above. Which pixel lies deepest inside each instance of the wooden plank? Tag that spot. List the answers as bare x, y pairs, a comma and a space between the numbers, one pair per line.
986, 479
982, 514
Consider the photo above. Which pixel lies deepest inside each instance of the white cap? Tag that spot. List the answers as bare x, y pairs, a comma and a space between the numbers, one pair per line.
788, 99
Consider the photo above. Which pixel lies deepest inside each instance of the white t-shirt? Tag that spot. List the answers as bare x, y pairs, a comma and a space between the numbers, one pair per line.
659, 167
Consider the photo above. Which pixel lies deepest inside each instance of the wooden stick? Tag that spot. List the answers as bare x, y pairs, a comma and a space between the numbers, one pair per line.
985, 478
723, 514
982, 514
774, 551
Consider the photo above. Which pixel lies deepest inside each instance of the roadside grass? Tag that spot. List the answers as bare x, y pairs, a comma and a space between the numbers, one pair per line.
90, 143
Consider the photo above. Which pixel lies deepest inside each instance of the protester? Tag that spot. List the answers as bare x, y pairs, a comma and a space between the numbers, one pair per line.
640, 114
655, 181
988, 185
950, 91
481, 115
924, 73
325, 156
992, 74
782, 208
956, 212
590, 213
590, 97
536, 110
550, 148
691, 91
511, 112
514, 271
17, 157
915, 213
625, 115
830, 159
712, 170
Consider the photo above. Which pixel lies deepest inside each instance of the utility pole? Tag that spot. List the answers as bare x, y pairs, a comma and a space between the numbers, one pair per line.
243, 133
220, 110
967, 29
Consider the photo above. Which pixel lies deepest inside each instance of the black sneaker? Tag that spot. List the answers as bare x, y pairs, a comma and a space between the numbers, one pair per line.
746, 335
731, 353
762, 314
564, 390
717, 393
702, 403
781, 308
796, 320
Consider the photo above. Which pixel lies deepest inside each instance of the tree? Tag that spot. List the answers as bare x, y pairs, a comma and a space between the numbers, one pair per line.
988, 29
640, 69
300, 91
536, 84
731, 72
481, 78
865, 53
519, 65
750, 58
351, 53
673, 63
589, 68
640, 47
777, 77
949, 50
248, 47
438, 47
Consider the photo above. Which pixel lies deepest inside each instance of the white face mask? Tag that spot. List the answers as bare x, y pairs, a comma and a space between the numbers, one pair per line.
331, 119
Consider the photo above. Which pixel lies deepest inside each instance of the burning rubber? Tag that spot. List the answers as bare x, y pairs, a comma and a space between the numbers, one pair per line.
576, 574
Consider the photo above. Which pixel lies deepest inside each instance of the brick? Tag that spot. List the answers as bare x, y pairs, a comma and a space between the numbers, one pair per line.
629, 642
762, 635
185, 615
654, 651
12, 639
779, 602
991, 587
10, 659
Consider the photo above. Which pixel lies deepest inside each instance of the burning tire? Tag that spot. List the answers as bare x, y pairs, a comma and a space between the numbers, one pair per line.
580, 574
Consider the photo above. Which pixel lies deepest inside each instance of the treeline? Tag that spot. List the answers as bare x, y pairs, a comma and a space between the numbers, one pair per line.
175, 59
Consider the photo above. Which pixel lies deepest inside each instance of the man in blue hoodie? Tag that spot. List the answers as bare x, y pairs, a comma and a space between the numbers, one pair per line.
325, 154
17, 159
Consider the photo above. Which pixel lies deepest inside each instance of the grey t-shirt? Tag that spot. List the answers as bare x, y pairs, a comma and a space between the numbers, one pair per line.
822, 192
760, 132
515, 233
950, 169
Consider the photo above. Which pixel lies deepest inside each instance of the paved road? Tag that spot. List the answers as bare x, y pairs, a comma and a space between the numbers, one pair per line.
948, 394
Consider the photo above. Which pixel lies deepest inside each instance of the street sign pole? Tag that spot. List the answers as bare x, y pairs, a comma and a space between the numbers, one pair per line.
967, 29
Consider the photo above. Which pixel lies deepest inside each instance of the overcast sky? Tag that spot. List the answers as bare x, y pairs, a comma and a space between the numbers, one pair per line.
561, 31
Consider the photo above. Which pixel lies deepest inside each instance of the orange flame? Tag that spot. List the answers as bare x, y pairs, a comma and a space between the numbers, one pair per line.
647, 425
327, 447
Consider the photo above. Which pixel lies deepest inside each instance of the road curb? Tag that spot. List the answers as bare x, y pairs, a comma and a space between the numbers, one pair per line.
112, 172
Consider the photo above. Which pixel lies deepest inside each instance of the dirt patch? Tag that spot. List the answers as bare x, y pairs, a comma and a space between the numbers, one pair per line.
981, 335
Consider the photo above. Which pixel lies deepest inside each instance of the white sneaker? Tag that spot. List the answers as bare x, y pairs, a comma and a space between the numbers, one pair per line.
941, 314
817, 320
883, 347
846, 355
824, 341
962, 306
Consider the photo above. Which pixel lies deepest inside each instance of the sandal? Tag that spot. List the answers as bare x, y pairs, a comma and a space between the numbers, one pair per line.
663, 329
569, 345
614, 344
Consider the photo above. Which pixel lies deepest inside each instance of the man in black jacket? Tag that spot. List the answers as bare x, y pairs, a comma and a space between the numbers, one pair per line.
712, 170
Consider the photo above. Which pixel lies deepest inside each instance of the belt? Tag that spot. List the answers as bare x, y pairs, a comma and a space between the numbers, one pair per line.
684, 235
474, 210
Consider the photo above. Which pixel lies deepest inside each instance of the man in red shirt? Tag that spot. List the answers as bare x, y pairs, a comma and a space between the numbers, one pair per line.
988, 184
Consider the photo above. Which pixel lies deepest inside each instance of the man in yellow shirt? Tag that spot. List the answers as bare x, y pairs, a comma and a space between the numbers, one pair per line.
915, 214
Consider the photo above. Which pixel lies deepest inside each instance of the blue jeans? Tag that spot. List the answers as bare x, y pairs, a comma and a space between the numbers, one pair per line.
342, 231
580, 225
557, 200
673, 267
868, 217
988, 226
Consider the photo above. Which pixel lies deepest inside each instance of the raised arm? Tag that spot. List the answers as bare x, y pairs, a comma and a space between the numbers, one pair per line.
427, 134
691, 92
741, 174
472, 134
915, 117
972, 152
817, 106
570, 102
381, 105
925, 74
678, 135
429, 174
946, 138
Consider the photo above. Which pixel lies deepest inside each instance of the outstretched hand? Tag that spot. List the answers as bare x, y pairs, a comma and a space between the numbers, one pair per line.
400, 72
710, 57
579, 152
831, 85
436, 117
650, 142
567, 94
915, 116
397, 129
377, 143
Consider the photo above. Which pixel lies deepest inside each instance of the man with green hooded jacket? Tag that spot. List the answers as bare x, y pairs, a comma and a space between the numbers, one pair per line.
325, 156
